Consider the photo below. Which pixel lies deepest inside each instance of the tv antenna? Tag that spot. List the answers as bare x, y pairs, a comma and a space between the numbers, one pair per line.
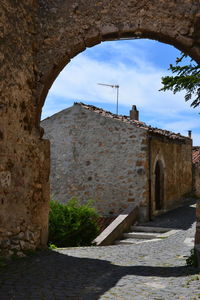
114, 86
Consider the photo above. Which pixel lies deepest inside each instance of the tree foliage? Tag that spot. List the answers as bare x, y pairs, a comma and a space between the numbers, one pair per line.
187, 77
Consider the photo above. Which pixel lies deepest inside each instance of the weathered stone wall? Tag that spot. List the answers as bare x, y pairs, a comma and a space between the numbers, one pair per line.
97, 157
197, 236
196, 179
37, 40
24, 158
176, 159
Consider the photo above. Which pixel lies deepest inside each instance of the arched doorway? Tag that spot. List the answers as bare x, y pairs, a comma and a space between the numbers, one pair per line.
159, 186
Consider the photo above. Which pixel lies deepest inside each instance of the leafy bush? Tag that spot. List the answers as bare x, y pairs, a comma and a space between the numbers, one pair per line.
192, 259
52, 246
72, 224
2, 262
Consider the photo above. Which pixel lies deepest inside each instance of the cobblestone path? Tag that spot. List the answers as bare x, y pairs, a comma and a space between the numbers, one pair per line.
154, 270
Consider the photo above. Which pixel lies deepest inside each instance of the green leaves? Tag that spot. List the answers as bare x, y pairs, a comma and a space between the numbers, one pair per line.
187, 78
72, 224
192, 259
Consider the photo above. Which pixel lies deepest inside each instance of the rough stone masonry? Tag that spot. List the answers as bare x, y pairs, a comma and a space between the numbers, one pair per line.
38, 38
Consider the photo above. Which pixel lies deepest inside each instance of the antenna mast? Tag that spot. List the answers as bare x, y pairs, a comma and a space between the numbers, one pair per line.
114, 86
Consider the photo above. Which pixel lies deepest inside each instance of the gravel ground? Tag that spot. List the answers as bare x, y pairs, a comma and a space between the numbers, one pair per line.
155, 270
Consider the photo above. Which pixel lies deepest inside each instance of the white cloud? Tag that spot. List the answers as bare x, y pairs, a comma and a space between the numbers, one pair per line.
181, 126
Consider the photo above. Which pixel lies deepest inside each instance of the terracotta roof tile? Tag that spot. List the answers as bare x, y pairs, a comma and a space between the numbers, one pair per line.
126, 119
196, 155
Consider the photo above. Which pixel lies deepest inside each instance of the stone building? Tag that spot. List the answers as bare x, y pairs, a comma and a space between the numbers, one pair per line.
196, 170
116, 160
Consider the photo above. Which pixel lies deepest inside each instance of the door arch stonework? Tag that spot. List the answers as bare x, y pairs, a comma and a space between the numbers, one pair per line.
38, 39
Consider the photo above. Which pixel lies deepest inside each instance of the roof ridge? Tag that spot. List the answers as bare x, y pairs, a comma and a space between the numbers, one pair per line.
137, 123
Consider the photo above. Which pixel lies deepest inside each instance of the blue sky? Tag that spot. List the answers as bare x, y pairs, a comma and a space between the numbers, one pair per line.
137, 67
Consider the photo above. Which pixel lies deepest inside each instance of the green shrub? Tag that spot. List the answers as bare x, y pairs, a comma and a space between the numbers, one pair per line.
192, 259
3, 262
52, 246
72, 224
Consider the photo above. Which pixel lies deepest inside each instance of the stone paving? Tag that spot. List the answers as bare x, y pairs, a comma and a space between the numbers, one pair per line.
154, 271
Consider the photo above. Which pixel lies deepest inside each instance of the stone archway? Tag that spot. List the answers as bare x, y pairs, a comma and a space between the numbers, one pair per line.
39, 39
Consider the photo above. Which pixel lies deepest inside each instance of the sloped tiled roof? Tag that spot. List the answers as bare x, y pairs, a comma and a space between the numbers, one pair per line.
196, 155
126, 119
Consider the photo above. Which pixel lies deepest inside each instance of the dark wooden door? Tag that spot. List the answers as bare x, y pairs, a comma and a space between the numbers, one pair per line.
158, 187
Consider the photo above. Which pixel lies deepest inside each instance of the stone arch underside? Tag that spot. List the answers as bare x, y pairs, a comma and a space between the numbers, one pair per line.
39, 39
71, 26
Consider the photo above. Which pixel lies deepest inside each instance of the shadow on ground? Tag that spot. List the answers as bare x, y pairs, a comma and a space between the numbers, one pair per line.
179, 218
52, 275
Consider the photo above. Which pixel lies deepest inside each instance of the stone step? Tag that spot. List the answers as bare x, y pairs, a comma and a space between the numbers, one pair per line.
140, 235
144, 234
134, 241
150, 229
126, 241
